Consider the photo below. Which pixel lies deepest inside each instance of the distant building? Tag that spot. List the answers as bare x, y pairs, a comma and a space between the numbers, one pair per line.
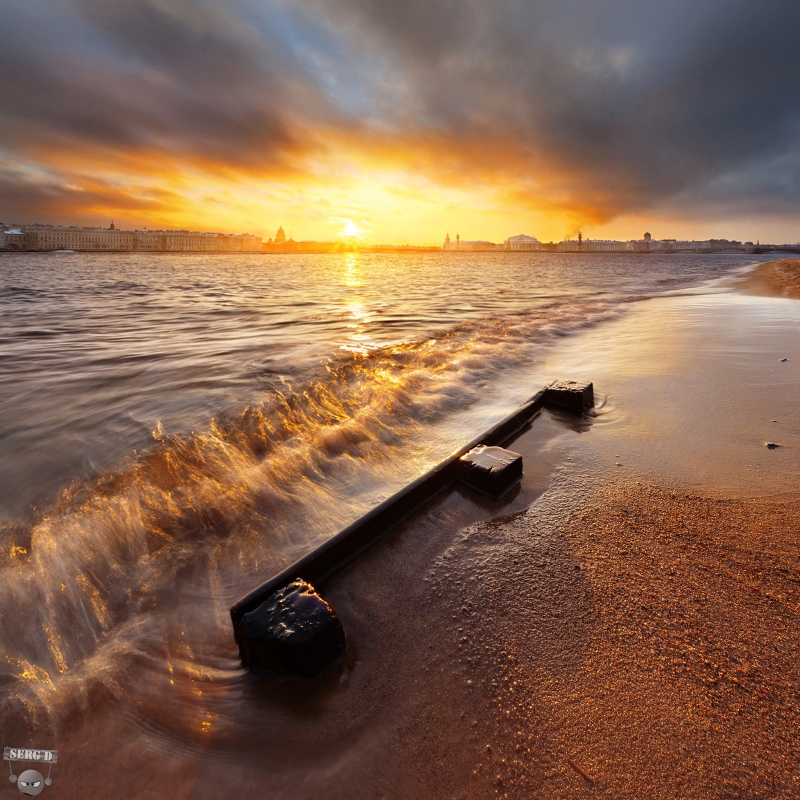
280, 236
581, 245
468, 245
523, 242
645, 245
147, 240
112, 239
603, 245
15, 239
78, 239
210, 242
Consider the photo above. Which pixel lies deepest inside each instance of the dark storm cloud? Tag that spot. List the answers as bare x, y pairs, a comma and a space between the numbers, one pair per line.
635, 102
613, 106
182, 78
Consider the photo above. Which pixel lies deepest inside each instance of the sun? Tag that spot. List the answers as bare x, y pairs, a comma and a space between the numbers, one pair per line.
352, 230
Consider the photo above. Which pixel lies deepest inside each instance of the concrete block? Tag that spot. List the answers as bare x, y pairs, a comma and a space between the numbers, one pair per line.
293, 632
573, 396
491, 470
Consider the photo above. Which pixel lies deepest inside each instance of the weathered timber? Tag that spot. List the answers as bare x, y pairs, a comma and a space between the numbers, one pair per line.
575, 396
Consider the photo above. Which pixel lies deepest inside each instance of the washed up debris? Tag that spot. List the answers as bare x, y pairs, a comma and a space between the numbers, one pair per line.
783, 359
771, 445
293, 632
579, 771
269, 625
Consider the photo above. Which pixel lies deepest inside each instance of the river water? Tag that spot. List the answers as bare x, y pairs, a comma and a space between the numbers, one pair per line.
176, 428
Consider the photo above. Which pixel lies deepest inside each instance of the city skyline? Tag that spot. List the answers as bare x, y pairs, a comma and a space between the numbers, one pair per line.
42, 237
373, 120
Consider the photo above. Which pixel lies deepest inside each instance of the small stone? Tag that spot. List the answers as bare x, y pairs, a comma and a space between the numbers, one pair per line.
771, 445
783, 359
293, 632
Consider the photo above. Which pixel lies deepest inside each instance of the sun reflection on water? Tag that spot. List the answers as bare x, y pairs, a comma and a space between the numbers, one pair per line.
353, 274
359, 314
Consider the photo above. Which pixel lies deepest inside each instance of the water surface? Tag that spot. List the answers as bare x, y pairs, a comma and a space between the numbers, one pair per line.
175, 428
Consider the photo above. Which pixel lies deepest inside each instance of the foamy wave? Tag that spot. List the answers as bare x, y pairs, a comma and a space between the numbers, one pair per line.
107, 579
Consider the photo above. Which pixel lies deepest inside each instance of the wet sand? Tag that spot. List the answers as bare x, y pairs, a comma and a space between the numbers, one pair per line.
633, 631
624, 625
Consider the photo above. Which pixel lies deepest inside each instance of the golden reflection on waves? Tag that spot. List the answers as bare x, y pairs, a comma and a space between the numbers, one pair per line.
132, 574
353, 273
356, 306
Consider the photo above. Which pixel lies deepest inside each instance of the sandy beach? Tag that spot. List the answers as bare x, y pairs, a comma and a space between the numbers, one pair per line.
622, 625
625, 626
781, 278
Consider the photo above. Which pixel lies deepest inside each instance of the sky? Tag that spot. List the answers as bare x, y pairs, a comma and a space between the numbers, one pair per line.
403, 120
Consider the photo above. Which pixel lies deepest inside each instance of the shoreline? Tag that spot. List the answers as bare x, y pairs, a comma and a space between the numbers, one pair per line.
621, 625
388, 250
774, 279
659, 655
632, 630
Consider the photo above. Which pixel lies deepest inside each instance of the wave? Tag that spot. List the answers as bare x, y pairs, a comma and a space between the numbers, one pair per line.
108, 578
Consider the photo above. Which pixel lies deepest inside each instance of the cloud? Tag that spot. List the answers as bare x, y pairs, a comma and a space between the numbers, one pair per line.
34, 197
617, 104
589, 111
174, 80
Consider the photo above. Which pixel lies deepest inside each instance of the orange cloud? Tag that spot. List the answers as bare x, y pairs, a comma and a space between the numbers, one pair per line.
488, 118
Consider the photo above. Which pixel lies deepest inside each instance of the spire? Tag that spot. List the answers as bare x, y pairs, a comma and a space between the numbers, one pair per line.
113, 227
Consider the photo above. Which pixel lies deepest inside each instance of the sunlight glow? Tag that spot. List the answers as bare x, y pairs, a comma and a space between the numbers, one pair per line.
351, 230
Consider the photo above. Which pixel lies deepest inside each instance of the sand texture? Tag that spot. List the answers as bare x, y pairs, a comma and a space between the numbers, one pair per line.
633, 632
776, 277
624, 624
648, 648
